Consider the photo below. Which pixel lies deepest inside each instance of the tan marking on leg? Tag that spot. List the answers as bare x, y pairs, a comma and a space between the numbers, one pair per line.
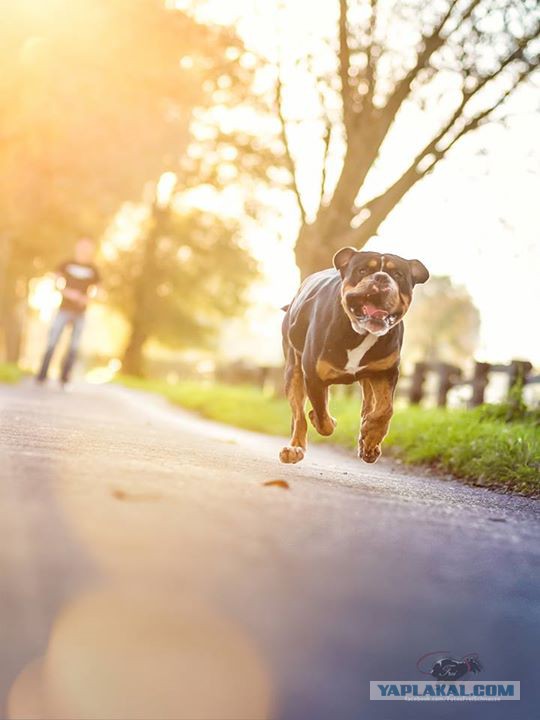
320, 416
377, 411
383, 364
325, 425
296, 393
326, 371
317, 392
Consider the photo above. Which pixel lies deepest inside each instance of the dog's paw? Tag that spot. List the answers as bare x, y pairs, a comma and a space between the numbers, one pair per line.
291, 455
369, 454
326, 427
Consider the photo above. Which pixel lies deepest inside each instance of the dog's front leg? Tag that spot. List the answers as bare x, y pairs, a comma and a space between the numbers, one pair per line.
320, 416
295, 388
377, 409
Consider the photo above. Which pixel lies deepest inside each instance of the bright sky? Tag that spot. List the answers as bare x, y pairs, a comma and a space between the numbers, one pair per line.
475, 218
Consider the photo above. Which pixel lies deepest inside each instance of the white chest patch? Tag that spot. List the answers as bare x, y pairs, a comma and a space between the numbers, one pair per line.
355, 355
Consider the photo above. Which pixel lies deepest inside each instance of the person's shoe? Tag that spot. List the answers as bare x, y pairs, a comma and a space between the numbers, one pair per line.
40, 380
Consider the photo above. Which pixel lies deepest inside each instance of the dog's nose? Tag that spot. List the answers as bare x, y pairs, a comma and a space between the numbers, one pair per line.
379, 283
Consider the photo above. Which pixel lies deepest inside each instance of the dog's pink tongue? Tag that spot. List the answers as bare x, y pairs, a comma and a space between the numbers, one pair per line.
374, 312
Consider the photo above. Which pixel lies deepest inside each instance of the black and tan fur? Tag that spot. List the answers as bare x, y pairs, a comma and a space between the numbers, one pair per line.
325, 331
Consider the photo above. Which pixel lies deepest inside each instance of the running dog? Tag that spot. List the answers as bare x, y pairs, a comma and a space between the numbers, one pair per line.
345, 324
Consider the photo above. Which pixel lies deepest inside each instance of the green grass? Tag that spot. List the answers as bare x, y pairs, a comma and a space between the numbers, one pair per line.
480, 445
10, 373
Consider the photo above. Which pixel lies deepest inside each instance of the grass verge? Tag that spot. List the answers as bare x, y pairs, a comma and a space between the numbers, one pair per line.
478, 445
10, 373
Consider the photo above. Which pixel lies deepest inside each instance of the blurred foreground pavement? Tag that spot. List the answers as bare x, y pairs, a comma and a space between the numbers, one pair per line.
146, 571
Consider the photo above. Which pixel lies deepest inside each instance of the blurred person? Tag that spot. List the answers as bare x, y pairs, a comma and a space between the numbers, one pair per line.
77, 279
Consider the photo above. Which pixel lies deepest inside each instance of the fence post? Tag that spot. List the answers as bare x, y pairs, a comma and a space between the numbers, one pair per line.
479, 383
263, 376
517, 372
416, 389
449, 375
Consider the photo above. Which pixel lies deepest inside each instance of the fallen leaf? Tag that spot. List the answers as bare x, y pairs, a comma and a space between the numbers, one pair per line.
277, 483
136, 497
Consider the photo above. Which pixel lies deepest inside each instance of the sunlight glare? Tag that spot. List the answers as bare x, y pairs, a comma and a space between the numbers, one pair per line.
165, 188
44, 296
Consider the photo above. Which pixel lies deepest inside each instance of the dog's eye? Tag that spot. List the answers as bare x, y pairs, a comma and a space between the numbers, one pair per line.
397, 274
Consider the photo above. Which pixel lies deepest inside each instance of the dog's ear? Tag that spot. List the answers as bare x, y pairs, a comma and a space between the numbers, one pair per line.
342, 257
419, 272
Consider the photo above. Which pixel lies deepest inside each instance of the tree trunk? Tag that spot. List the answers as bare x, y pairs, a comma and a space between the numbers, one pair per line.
318, 241
144, 289
310, 251
11, 317
13, 335
133, 360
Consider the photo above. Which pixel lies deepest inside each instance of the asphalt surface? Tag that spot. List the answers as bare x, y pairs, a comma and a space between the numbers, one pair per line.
147, 571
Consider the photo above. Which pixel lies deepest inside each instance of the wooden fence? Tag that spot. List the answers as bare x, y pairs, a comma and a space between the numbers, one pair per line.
518, 372
413, 387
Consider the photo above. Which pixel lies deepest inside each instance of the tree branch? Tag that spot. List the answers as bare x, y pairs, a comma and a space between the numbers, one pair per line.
344, 65
371, 68
431, 43
467, 95
380, 207
326, 140
480, 117
516, 54
291, 166
325, 116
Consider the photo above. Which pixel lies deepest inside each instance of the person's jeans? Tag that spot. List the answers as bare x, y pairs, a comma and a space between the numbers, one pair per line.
62, 320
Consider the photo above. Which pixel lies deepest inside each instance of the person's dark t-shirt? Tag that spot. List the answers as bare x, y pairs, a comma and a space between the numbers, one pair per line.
78, 276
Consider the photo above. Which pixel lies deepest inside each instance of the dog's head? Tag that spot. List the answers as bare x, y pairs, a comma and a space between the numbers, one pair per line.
376, 290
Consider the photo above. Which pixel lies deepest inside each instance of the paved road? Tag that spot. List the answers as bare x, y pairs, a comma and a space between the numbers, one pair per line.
147, 571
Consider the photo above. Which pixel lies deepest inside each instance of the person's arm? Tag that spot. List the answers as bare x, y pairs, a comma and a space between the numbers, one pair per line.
60, 278
69, 293
95, 291
92, 293
73, 294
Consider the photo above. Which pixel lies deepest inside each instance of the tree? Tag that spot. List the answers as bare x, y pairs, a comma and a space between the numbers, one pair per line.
96, 98
188, 269
443, 324
458, 60
184, 273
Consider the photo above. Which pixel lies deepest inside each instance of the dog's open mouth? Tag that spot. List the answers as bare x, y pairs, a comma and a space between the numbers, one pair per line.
368, 312
372, 312
368, 316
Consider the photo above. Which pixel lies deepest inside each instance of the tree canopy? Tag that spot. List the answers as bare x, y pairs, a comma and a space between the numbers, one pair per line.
182, 274
456, 61
97, 99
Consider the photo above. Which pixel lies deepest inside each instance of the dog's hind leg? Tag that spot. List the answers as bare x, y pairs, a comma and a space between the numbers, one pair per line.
296, 393
320, 417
